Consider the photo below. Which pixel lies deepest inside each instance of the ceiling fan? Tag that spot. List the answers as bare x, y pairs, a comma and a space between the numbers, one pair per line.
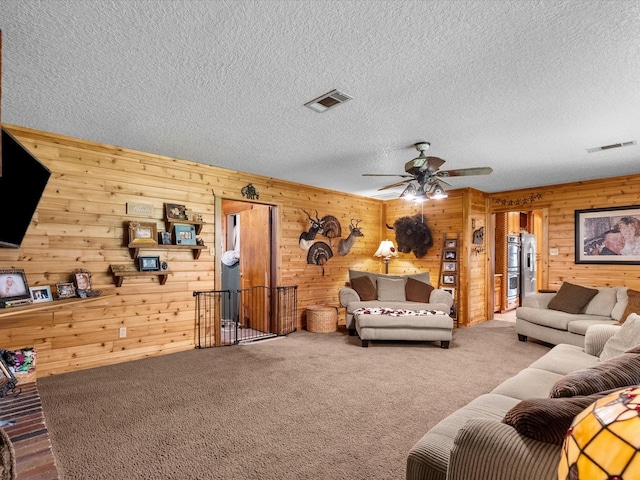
423, 177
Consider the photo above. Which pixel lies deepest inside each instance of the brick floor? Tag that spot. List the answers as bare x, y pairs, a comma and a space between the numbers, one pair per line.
34, 456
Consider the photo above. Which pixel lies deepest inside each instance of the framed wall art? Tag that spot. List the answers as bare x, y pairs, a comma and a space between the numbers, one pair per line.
41, 294
149, 264
450, 255
450, 243
448, 279
450, 290
184, 234
174, 211
143, 233
608, 235
449, 266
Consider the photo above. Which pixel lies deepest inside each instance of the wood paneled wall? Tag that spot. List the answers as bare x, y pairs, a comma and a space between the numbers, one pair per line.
81, 222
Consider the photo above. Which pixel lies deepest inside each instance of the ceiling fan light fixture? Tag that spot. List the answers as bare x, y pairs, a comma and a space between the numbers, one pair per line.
435, 191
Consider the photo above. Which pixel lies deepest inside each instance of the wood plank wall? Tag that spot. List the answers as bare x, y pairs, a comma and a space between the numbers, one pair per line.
81, 223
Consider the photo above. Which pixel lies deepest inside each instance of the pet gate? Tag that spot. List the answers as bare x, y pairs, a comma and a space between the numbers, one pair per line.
229, 317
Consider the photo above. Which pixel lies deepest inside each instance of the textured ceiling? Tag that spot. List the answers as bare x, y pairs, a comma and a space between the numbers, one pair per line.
524, 87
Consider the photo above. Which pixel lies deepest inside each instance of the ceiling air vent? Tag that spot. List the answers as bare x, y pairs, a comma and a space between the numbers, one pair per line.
607, 147
328, 101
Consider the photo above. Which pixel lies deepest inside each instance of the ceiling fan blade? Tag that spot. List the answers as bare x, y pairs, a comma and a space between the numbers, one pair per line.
462, 172
397, 184
385, 175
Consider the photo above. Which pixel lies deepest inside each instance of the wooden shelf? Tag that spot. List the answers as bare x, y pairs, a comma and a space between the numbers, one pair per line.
118, 277
134, 249
50, 306
195, 223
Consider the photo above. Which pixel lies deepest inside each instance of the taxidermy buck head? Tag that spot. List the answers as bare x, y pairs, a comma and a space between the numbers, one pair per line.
306, 238
413, 235
345, 244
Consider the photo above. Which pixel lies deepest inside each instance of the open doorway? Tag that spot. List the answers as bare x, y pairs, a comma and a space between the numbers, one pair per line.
519, 239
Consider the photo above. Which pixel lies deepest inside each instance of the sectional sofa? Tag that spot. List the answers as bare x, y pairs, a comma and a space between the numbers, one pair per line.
515, 432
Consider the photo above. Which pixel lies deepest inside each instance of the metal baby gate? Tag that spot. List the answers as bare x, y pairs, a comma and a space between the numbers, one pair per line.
229, 317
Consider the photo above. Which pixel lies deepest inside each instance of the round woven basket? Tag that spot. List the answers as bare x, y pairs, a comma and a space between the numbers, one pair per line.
322, 319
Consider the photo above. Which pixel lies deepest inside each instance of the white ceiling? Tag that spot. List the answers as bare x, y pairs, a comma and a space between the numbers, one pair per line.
524, 87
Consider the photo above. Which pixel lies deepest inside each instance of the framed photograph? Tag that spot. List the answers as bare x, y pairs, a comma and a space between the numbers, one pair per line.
173, 211
143, 233
448, 279
149, 264
66, 290
450, 255
41, 294
449, 266
82, 280
450, 243
164, 238
14, 289
608, 235
184, 234
450, 290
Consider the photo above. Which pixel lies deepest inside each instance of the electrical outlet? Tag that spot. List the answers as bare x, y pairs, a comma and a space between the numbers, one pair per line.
553, 251
212, 251
123, 332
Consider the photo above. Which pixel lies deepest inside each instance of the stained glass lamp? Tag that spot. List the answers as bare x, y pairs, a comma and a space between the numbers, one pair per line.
603, 442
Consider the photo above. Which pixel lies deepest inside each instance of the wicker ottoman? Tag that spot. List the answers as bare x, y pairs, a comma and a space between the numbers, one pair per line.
322, 319
427, 327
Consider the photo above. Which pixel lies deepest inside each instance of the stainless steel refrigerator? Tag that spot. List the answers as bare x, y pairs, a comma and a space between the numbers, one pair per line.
527, 265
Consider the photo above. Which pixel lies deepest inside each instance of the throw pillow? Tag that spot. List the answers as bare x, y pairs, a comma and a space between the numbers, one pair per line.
548, 419
633, 305
627, 336
391, 289
416, 291
617, 372
603, 303
572, 298
365, 288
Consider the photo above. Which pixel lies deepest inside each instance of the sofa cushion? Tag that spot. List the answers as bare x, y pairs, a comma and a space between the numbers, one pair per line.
603, 303
617, 372
563, 359
416, 291
572, 298
627, 337
581, 324
391, 289
548, 419
365, 288
633, 304
621, 304
528, 383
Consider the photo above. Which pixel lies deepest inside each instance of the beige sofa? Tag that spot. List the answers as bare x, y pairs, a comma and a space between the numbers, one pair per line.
536, 320
474, 443
388, 295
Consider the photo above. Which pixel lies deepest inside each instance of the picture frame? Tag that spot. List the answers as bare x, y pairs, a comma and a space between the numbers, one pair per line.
450, 290
448, 279
65, 290
41, 294
82, 281
175, 211
8, 380
450, 255
14, 288
184, 234
144, 233
449, 266
148, 264
164, 238
450, 243
609, 235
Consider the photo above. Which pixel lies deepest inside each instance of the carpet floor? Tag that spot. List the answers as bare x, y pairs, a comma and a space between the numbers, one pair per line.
305, 406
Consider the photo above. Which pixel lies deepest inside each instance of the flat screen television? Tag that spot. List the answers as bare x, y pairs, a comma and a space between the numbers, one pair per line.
21, 186
14, 289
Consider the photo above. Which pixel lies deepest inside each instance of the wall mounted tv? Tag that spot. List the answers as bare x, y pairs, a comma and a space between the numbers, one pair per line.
21, 185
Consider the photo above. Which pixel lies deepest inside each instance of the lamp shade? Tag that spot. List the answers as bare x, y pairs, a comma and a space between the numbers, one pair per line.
386, 250
603, 441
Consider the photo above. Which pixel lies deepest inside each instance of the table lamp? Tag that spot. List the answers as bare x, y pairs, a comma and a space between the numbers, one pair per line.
386, 250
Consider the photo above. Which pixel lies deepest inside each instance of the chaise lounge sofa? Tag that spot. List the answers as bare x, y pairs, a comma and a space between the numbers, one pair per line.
565, 316
396, 307
515, 432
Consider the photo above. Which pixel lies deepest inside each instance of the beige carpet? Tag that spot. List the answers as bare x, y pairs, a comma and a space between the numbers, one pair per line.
308, 406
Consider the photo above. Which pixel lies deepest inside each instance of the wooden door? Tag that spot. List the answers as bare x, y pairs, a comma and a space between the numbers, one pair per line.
255, 266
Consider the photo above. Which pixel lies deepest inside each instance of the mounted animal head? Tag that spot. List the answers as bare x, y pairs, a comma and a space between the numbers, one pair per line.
306, 238
413, 235
345, 244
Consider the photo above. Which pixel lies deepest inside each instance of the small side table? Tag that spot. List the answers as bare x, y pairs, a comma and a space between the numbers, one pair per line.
322, 318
